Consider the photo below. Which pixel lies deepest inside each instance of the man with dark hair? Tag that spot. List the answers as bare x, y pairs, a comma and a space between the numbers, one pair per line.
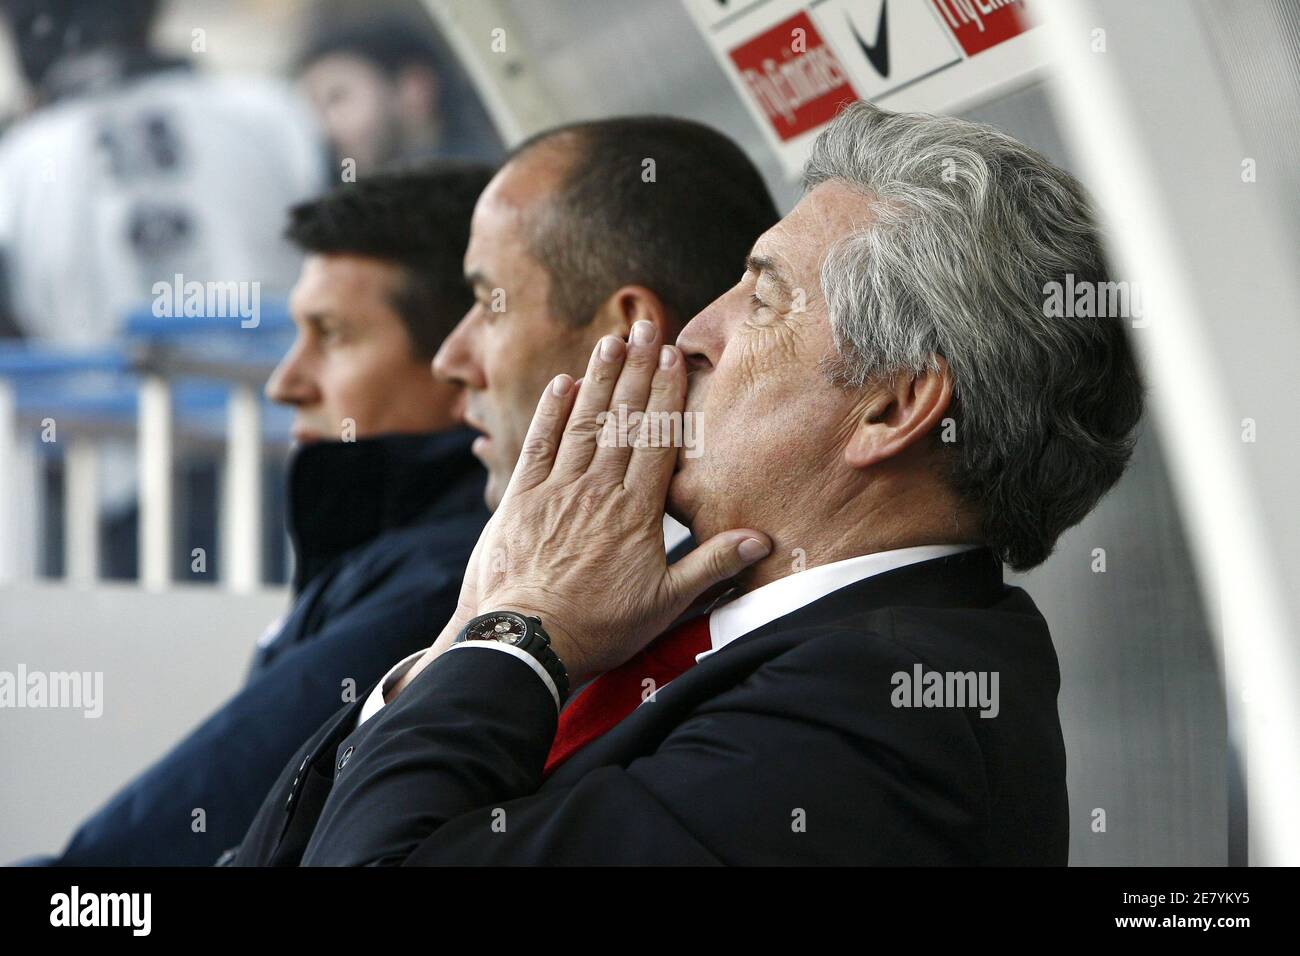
402, 217
586, 229
385, 504
650, 200
388, 89
382, 285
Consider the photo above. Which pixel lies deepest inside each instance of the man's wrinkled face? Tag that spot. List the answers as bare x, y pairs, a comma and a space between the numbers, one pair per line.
509, 346
773, 426
351, 371
355, 103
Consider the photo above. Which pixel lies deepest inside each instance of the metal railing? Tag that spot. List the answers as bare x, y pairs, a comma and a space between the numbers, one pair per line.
170, 385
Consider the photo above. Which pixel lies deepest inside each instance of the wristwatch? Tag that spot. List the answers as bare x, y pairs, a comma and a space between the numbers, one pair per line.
524, 632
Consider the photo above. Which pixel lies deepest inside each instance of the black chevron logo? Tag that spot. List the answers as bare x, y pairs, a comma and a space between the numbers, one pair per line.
877, 53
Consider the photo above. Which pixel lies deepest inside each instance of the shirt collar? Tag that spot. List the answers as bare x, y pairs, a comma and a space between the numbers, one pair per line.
748, 612
674, 532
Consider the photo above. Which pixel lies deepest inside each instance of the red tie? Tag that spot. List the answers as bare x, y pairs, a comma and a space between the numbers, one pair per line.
615, 694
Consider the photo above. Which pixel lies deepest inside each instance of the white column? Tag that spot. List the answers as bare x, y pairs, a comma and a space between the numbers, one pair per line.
155, 464
80, 511
508, 83
241, 492
1220, 295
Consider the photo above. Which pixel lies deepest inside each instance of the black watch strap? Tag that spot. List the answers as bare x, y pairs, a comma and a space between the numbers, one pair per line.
539, 645
524, 632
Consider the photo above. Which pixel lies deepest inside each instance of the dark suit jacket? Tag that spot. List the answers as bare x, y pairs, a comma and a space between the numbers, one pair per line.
382, 529
783, 747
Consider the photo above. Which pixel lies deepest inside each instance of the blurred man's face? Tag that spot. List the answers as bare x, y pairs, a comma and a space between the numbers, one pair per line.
509, 346
351, 371
357, 106
773, 426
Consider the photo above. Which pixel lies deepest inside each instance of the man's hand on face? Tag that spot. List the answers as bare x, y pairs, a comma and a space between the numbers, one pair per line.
578, 538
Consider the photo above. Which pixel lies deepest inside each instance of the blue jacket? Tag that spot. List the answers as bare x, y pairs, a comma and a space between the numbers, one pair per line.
382, 529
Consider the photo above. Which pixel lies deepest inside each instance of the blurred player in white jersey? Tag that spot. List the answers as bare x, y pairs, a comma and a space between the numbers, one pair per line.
134, 168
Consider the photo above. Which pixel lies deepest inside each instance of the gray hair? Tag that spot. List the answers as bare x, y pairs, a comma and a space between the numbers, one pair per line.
968, 228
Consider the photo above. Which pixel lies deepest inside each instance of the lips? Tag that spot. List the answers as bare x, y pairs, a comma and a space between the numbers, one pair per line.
482, 442
474, 424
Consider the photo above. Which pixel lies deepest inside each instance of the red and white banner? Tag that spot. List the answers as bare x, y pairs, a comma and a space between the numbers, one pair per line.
980, 24
793, 75
795, 62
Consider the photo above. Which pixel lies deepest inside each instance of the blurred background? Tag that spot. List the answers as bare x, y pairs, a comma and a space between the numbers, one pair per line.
141, 529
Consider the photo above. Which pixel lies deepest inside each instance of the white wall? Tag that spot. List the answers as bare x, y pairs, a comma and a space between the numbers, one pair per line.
167, 660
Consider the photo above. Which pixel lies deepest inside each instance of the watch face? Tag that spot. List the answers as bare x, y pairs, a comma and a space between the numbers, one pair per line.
507, 628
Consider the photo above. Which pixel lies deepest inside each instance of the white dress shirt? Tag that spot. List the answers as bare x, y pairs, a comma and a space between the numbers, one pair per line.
737, 617
748, 612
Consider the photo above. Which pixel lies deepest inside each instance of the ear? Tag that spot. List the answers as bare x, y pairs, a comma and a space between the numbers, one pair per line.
899, 414
629, 304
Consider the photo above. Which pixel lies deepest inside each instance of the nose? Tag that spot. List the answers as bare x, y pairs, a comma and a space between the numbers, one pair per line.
705, 336
457, 358
292, 383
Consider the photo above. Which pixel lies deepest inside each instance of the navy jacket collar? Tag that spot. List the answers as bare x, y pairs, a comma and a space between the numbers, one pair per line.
345, 494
